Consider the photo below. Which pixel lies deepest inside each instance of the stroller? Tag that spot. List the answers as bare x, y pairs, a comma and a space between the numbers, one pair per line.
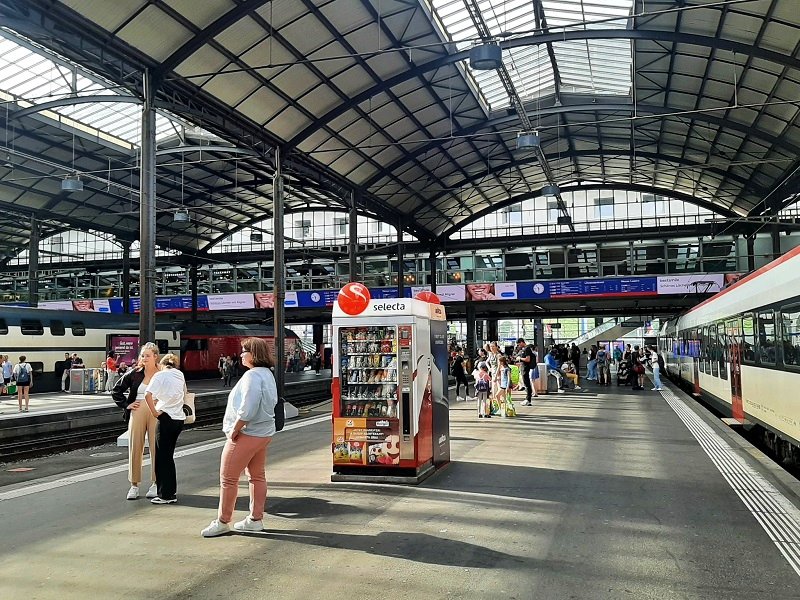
623, 372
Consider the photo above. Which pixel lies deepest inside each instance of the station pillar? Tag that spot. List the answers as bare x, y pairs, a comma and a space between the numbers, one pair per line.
471, 348
491, 330
33, 263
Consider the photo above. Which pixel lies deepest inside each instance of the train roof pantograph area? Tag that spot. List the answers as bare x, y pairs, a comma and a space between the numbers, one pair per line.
377, 102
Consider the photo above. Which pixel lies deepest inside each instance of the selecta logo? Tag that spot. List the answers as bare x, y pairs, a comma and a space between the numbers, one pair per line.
382, 424
442, 439
388, 307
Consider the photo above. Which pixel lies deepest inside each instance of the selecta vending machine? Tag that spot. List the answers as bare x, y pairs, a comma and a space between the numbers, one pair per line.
390, 406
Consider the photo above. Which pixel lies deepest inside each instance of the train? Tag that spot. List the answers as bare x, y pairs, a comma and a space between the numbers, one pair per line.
45, 336
740, 352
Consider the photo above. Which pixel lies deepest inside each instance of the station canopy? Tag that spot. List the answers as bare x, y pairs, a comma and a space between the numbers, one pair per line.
377, 102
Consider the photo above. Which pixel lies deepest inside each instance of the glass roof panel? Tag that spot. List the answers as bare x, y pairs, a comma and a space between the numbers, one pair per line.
31, 74
591, 66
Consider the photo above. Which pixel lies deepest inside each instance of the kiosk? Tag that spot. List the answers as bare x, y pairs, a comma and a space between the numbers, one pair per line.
390, 406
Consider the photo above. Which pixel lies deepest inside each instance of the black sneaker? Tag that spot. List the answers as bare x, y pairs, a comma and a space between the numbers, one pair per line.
158, 500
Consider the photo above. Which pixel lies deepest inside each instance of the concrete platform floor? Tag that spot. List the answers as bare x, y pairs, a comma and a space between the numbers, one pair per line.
603, 493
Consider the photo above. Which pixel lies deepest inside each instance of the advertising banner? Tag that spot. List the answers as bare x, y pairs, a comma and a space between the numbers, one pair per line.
446, 293
505, 290
125, 347
266, 300
56, 305
231, 302
697, 283
102, 305
366, 441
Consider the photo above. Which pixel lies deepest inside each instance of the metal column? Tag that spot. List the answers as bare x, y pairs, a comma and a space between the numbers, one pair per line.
126, 277
432, 267
352, 240
472, 341
33, 263
751, 251
147, 216
278, 274
193, 289
401, 262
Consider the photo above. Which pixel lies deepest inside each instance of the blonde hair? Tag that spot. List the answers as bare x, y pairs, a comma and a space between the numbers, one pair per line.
149, 346
170, 360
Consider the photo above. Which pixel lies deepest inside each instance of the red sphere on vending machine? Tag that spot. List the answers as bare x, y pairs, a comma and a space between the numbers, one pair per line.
427, 296
353, 298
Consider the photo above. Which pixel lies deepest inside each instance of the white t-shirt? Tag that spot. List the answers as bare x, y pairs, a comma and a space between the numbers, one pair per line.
167, 387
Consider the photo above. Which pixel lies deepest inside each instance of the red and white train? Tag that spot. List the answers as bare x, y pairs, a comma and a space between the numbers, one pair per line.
740, 351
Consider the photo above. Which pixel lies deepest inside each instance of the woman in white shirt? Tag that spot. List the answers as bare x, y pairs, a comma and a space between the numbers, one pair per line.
164, 397
249, 424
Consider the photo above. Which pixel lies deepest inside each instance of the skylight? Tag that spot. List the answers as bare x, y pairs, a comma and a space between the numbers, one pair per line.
33, 76
584, 66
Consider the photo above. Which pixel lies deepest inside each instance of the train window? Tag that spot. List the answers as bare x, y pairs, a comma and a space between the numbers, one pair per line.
712, 355
78, 328
3, 327
704, 366
748, 338
195, 344
790, 334
163, 347
37, 367
31, 327
57, 328
766, 337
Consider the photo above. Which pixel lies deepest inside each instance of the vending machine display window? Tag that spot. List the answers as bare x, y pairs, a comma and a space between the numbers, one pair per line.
368, 368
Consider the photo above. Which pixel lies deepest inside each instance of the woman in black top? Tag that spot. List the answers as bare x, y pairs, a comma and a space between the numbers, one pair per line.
457, 369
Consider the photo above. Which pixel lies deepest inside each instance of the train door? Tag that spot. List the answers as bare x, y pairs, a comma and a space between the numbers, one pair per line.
733, 328
695, 353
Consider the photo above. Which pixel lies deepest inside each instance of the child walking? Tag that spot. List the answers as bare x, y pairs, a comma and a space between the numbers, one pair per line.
503, 395
483, 385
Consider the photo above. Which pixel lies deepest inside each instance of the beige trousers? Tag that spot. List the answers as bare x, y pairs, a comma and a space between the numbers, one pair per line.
142, 421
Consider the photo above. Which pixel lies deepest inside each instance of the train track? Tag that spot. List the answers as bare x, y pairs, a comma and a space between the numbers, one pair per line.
53, 443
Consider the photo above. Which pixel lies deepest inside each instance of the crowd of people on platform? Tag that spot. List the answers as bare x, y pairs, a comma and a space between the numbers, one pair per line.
495, 373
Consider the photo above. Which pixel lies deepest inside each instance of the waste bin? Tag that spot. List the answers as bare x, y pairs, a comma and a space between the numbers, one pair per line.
84, 381
541, 382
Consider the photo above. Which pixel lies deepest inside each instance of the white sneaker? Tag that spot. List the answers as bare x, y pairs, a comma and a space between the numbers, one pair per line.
133, 493
152, 492
215, 528
577, 387
560, 391
527, 404
248, 524
459, 399
659, 389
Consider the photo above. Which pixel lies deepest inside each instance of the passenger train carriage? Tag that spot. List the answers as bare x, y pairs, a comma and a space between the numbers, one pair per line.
44, 336
740, 350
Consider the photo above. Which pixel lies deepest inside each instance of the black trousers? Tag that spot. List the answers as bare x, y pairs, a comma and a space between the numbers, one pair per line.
167, 433
526, 378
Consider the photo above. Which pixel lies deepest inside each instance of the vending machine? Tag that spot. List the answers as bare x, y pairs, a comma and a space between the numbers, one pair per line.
390, 405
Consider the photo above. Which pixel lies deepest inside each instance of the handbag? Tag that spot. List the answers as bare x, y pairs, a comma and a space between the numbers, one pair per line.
188, 407
280, 414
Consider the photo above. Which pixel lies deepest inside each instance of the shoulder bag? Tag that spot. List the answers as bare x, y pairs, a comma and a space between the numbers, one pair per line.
188, 406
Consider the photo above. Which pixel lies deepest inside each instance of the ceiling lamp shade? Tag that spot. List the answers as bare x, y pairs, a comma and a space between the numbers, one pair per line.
550, 190
256, 237
486, 57
71, 184
181, 218
527, 140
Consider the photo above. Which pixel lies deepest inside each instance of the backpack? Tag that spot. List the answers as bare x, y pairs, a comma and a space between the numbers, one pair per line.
482, 385
601, 358
23, 375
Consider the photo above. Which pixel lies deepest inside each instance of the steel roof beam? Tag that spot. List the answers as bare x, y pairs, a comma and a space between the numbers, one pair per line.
551, 37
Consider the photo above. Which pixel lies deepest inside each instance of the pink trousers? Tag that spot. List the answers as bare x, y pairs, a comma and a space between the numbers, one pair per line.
247, 453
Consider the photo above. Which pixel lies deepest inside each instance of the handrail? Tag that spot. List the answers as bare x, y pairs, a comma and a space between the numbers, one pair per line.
602, 328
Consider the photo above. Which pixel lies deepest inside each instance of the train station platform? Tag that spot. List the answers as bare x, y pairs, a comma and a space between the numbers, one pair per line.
601, 493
